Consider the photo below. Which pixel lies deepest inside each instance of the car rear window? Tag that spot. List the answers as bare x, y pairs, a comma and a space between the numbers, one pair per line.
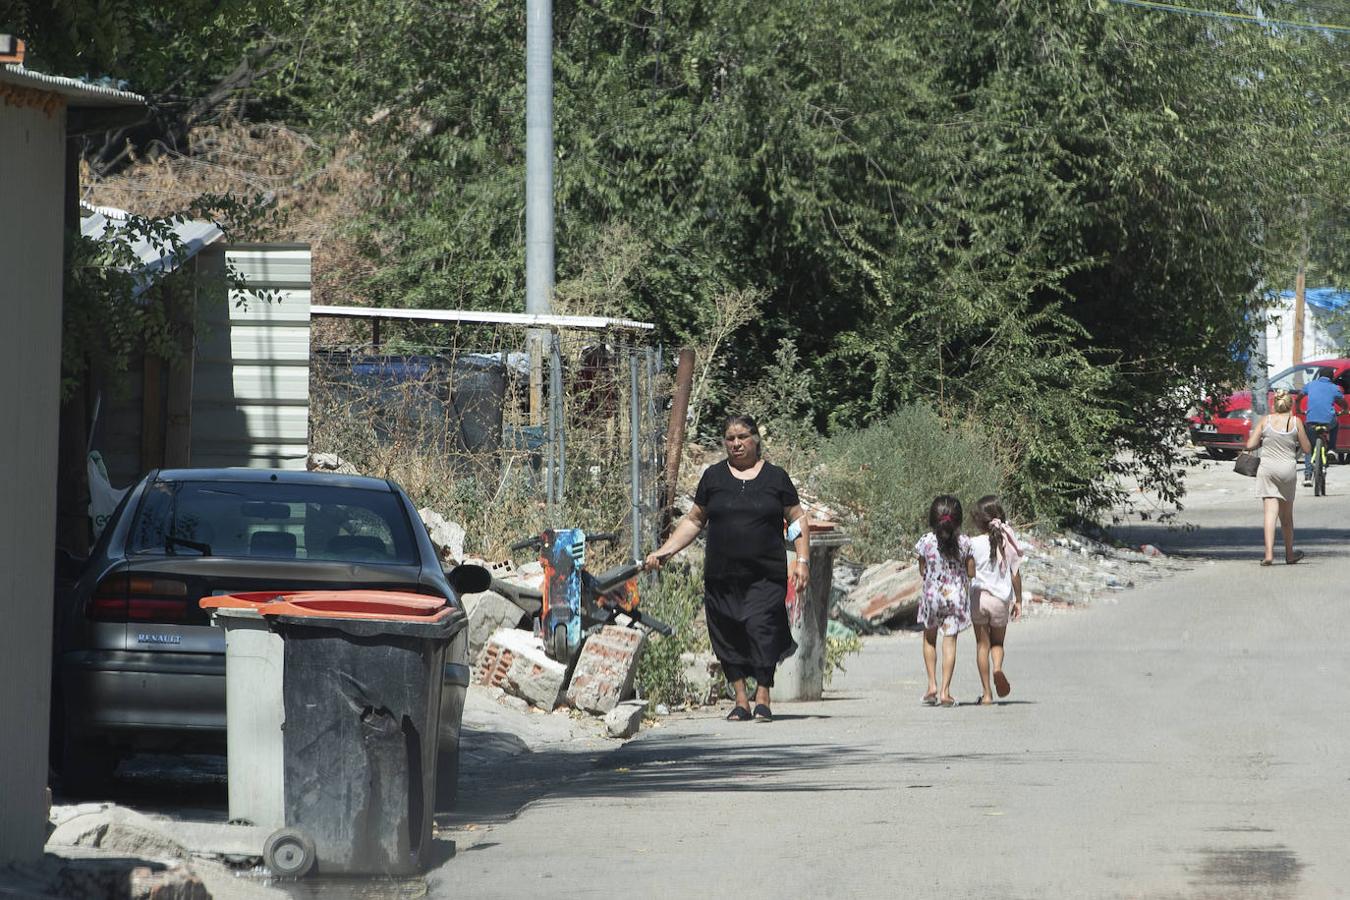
272, 521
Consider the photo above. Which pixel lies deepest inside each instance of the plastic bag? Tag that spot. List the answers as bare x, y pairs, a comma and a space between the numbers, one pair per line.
103, 497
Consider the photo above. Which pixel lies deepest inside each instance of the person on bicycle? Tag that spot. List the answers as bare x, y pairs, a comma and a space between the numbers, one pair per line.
1325, 399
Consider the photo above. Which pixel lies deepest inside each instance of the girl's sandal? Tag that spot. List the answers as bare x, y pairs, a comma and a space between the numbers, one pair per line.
930, 698
1291, 560
738, 714
1001, 684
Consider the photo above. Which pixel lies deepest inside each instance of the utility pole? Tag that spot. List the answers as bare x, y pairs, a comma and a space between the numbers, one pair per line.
538, 185
1298, 314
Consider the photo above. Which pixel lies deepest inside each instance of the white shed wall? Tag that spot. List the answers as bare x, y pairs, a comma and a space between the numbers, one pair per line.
250, 398
32, 184
1319, 342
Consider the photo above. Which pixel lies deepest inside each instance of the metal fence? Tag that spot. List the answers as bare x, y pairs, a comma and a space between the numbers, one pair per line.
445, 404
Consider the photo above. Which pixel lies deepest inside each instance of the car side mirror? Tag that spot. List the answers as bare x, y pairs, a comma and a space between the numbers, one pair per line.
469, 579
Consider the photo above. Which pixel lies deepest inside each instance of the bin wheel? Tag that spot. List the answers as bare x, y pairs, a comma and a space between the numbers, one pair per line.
558, 644
289, 853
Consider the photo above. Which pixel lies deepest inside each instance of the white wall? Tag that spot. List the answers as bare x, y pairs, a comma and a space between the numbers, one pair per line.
1318, 341
32, 154
250, 396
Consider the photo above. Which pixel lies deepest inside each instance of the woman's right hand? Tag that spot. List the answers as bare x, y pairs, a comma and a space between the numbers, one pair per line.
654, 561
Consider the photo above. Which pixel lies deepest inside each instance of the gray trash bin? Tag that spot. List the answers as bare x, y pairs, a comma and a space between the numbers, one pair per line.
802, 675
253, 709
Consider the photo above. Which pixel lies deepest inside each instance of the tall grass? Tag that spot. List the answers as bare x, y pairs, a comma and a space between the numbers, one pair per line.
885, 476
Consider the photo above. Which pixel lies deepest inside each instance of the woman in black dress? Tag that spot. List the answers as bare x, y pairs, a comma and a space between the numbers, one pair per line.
743, 503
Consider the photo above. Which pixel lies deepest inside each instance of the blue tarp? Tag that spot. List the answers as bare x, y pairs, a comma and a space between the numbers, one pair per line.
1324, 298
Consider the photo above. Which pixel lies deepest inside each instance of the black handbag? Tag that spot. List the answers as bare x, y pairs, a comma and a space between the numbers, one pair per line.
1247, 463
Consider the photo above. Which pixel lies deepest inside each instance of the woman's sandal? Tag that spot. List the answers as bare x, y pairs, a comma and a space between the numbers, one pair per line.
1292, 560
739, 714
763, 712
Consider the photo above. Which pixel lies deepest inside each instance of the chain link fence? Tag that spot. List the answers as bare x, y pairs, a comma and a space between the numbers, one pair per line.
445, 408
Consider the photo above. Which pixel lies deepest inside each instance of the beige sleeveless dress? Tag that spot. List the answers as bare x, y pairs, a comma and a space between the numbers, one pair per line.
1277, 475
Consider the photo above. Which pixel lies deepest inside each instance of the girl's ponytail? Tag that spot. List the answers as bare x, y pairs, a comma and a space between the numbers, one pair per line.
989, 517
944, 518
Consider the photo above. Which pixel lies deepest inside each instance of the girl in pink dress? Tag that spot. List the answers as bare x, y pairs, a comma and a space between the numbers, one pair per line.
946, 564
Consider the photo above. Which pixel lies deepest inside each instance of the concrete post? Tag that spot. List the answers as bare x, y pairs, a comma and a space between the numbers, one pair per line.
802, 675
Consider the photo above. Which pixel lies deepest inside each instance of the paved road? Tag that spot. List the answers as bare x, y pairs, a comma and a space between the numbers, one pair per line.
1188, 741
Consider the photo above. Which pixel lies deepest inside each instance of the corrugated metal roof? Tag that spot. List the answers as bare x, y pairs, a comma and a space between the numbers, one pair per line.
156, 260
84, 93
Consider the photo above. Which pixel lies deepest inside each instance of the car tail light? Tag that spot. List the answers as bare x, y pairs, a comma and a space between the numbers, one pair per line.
138, 598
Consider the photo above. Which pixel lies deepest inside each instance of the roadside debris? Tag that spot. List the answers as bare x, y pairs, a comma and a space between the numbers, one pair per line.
488, 612
446, 536
1058, 571
624, 720
605, 669
702, 675
886, 592
515, 661
100, 850
329, 462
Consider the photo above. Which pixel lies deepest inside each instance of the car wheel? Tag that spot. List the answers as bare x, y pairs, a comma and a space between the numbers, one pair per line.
87, 767
1221, 453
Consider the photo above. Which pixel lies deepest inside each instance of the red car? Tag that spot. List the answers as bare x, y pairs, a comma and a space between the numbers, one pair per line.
1225, 432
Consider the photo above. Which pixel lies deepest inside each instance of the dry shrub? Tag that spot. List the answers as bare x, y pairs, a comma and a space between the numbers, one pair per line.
317, 192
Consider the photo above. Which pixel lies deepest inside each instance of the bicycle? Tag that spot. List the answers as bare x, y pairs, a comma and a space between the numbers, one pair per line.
574, 601
1319, 457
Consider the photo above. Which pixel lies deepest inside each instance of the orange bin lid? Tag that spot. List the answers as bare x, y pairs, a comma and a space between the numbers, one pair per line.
252, 600
397, 606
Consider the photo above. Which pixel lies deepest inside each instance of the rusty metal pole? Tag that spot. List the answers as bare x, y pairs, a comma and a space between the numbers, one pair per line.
679, 412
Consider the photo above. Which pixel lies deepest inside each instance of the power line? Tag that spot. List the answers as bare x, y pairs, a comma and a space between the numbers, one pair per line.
1243, 18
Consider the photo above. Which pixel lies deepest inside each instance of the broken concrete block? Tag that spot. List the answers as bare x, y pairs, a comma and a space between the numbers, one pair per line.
886, 591
329, 462
515, 661
702, 675
446, 536
488, 612
625, 719
174, 883
605, 669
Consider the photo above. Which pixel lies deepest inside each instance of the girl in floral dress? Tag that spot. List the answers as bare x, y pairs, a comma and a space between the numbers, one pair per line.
946, 564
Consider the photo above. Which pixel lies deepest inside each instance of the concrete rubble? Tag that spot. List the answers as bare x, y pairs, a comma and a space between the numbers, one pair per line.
515, 661
605, 669
101, 850
329, 462
886, 592
1058, 571
488, 612
624, 720
446, 536
702, 675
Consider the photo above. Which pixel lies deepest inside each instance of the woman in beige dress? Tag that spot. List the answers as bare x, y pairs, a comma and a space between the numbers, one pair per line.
1279, 435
